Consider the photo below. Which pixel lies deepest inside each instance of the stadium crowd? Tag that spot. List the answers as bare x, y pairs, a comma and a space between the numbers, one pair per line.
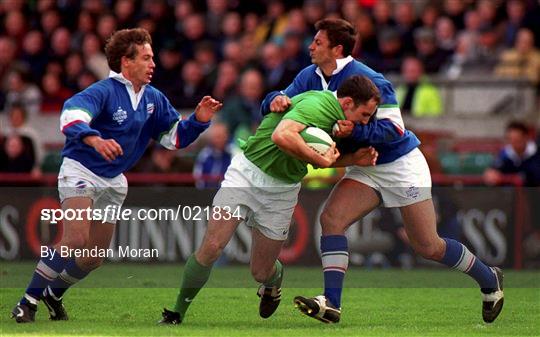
237, 51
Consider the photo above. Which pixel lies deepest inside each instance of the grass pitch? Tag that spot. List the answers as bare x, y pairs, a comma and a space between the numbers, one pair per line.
126, 300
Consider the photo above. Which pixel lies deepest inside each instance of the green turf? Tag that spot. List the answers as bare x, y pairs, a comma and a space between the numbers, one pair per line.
373, 305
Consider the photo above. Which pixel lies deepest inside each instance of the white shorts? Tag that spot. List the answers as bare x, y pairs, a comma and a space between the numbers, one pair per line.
402, 182
75, 180
265, 203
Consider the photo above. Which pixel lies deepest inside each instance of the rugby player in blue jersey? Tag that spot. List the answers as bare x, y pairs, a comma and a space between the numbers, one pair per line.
400, 179
107, 127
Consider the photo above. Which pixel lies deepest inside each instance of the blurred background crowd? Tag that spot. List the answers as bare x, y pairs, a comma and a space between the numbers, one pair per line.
463, 70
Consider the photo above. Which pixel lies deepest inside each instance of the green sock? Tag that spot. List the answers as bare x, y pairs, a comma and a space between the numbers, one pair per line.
275, 280
194, 278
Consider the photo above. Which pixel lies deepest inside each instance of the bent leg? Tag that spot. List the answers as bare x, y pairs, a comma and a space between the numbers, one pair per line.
420, 224
349, 201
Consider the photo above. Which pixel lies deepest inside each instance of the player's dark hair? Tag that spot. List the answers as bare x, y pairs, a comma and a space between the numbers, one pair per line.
517, 125
360, 89
339, 32
122, 43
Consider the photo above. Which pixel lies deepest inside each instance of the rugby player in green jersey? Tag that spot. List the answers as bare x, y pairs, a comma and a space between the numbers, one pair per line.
261, 187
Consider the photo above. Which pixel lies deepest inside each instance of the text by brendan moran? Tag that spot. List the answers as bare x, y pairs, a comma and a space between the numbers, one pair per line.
122, 252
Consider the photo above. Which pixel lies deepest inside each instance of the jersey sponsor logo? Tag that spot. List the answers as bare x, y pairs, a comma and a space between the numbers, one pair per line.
119, 116
150, 108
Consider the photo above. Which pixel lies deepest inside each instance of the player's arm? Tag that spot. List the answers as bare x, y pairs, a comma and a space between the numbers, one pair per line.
365, 156
75, 123
175, 133
377, 131
279, 101
287, 137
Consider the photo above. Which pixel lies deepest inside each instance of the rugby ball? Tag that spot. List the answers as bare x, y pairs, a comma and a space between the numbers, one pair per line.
317, 139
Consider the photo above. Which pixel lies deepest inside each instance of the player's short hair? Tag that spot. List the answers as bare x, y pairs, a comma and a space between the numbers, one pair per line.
339, 32
519, 126
122, 43
360, 88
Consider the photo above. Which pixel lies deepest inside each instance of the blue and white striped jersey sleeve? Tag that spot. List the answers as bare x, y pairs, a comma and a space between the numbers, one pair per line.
378, 131
79, 111
172, 131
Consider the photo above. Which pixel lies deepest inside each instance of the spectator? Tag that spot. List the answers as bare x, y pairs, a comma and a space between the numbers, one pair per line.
417, 97
124, 11
520, 156
18, 154
487, 10
405, 18
192, 89
382, 14
50, 21
522, 61
226, 81
106, 25
60, 44
485, 54
74, 66
34, 54
454, 9
85, 25
242, 110
21, 90
432, 57
277, 72
94, 57
18, 126
205, 55
15, 25
471, 32
215, 16
515, 10
429, 16
54, 94
294, 51
214, 159
390, 52
367, 47
445, 34
194, 31
168, 67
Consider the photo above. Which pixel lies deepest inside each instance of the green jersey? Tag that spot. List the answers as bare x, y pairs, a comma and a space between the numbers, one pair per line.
312, 108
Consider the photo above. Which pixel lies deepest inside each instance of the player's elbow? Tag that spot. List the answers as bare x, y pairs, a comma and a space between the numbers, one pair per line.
278, 137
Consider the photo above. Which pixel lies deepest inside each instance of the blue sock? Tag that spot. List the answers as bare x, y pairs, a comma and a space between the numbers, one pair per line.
68, 277
46, 272
335, 260
457, 256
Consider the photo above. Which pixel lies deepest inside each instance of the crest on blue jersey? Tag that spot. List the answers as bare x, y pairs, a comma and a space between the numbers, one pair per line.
150, 108
119, 116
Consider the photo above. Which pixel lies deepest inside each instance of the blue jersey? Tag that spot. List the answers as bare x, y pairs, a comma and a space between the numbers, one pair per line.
386, 132
112, 110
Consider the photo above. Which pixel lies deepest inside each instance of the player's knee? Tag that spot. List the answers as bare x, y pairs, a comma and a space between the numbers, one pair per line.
331, 221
